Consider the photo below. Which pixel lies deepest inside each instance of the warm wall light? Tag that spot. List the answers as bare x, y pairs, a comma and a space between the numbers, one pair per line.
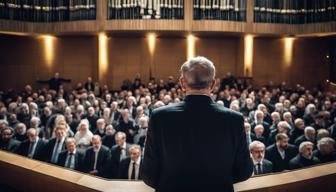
151, 38
49, 49
103, 56
190, 46
288, 50
248, 55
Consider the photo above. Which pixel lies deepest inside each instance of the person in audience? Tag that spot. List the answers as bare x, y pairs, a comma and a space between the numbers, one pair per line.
129, 167
259, 120
275, 120
309, 135
55, 82
280, 153
119, 152
97, 158
109, 138
261, 165
258, 134
325, 150
126, 125
100, 128
21, 132
71, 158
83, 135
321, 133
297, 130
55, 145
283, 127
7, 143
249, 134
33, 147
305, 157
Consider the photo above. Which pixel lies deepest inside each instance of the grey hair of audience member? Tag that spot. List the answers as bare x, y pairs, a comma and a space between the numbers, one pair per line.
198, 72
326, 144
255, 144
304, 144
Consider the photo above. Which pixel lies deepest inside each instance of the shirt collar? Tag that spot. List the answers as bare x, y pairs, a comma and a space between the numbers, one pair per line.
137, 161
256, 162
74, 152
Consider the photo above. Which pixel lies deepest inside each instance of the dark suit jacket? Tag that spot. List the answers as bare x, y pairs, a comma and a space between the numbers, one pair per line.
102, 162
115, 158
79, 157
49, 149
267, 167
273, 155
196, 145
123, 168
12, 145
39, 150
299, 162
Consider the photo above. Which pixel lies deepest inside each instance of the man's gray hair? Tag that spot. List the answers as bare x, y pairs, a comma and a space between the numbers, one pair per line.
325, 141
304, 144
199, 72
255, 144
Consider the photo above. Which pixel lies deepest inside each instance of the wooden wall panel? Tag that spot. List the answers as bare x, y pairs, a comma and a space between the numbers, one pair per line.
170, 54
222, 51
76, 57
127, 57
308, 67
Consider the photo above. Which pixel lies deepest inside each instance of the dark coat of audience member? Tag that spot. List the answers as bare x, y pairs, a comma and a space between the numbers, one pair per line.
274, 156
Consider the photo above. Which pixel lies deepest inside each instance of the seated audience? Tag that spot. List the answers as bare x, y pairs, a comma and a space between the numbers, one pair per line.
33, 147
7, 142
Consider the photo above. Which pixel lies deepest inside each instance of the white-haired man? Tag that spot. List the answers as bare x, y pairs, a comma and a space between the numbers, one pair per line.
175, 159
261, 165
129, 167
325, 150
305, 157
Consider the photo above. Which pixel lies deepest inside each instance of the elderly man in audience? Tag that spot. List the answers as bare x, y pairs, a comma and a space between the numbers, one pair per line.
261, 165
7, 142
126, 125
100, 127
119, 152
97, 158
305, 157
325, 150
129, 167
33, 147
309, 135
258, 134
283, 127
109, 138
280, 153
84, 135
259, 119
71, 158
297, 130
21, 132
55, 145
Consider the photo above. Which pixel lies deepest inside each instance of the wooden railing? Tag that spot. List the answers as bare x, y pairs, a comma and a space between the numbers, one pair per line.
102, 24
24, 174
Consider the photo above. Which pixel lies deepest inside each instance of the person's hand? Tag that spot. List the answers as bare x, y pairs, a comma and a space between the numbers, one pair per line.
93, 172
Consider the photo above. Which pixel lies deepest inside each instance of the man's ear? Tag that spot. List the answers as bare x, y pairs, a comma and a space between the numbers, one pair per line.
183, 84
213, 85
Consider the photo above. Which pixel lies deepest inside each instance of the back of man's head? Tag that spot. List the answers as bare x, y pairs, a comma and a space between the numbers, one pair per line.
198, 72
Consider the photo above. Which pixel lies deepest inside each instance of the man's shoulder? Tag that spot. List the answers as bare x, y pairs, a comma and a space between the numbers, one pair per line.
181, 106
267, 162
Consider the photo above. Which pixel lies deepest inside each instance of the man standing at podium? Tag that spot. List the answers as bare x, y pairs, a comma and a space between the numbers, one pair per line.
196, 145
